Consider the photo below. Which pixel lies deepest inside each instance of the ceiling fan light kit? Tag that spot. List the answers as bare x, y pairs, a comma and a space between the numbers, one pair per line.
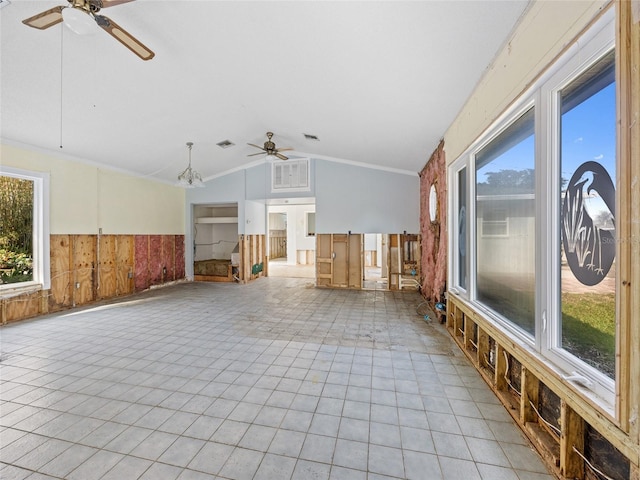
78, 21
189, 178
81, 16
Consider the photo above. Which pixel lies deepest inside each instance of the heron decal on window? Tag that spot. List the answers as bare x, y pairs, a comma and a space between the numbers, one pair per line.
588, 223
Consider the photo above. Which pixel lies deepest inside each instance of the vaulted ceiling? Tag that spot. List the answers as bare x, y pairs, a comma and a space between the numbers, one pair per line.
376, 82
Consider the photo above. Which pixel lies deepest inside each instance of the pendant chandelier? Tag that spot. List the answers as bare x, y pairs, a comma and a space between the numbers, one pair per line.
189, 178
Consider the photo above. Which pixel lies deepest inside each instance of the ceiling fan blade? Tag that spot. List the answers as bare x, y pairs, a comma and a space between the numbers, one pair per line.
46, 19
284, 149
254, 154
117, 32
281, 157
257, 146
112, 3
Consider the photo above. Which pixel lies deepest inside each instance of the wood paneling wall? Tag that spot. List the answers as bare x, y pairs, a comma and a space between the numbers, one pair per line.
86, 268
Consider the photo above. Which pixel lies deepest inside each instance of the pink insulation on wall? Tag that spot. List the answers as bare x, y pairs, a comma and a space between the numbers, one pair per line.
168, 258
434, 233
141, 262
155, 259
158, 259
179, 249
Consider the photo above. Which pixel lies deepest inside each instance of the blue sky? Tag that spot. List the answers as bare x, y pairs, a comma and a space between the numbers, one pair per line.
588, 133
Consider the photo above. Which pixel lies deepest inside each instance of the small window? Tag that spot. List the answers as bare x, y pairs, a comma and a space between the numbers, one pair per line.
24, 229
495, 223
311, 224
290, 175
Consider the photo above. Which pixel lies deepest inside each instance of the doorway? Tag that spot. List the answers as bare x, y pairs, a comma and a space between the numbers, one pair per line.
277, 225
375, 268
291, 239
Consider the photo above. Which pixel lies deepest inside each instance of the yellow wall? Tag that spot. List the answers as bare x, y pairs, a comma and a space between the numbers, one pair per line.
544, 31
85, 198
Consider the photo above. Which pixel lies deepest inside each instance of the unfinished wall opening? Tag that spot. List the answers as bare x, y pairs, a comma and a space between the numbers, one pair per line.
375, 268
602, 459
291, 238
278, 236
215, 248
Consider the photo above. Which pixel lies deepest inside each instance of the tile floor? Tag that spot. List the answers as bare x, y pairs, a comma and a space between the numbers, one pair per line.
271, 380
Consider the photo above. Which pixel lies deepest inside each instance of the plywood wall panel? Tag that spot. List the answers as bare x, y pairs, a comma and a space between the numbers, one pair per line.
106, 284
179, 259
85, 268
84, 262
141, 269
61, 272
23, 306
124, 264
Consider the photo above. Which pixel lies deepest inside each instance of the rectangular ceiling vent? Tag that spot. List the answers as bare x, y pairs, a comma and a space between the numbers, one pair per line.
225, 144
4, 3
308, 136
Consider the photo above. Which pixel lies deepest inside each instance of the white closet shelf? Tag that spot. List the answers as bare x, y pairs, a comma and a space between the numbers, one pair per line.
217, 220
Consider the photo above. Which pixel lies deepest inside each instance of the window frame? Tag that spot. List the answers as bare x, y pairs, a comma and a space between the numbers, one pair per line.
590, 52
41, 258
522, 106
454, 220
496, 223
542, 95
302, 183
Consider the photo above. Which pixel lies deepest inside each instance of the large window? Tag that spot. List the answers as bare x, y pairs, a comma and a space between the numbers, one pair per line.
587, 218
24, 229
536, 245
505, 207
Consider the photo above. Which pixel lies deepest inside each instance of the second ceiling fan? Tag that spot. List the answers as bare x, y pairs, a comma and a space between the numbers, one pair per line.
80, 12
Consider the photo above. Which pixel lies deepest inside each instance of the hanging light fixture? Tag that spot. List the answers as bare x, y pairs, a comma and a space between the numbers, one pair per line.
189, 178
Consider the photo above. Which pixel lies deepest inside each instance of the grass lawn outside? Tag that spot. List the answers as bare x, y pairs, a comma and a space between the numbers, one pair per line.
589, 329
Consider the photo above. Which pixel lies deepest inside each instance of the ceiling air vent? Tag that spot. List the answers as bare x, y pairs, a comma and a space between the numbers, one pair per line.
4, 3
308, 136
225, 144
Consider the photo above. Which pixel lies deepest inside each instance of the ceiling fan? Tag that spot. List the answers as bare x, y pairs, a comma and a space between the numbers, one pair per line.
270, 149
79, 12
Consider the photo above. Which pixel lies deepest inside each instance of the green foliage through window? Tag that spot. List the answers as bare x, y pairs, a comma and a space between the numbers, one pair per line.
16, 229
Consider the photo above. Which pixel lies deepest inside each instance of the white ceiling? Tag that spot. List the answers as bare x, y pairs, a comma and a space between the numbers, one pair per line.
377, 81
